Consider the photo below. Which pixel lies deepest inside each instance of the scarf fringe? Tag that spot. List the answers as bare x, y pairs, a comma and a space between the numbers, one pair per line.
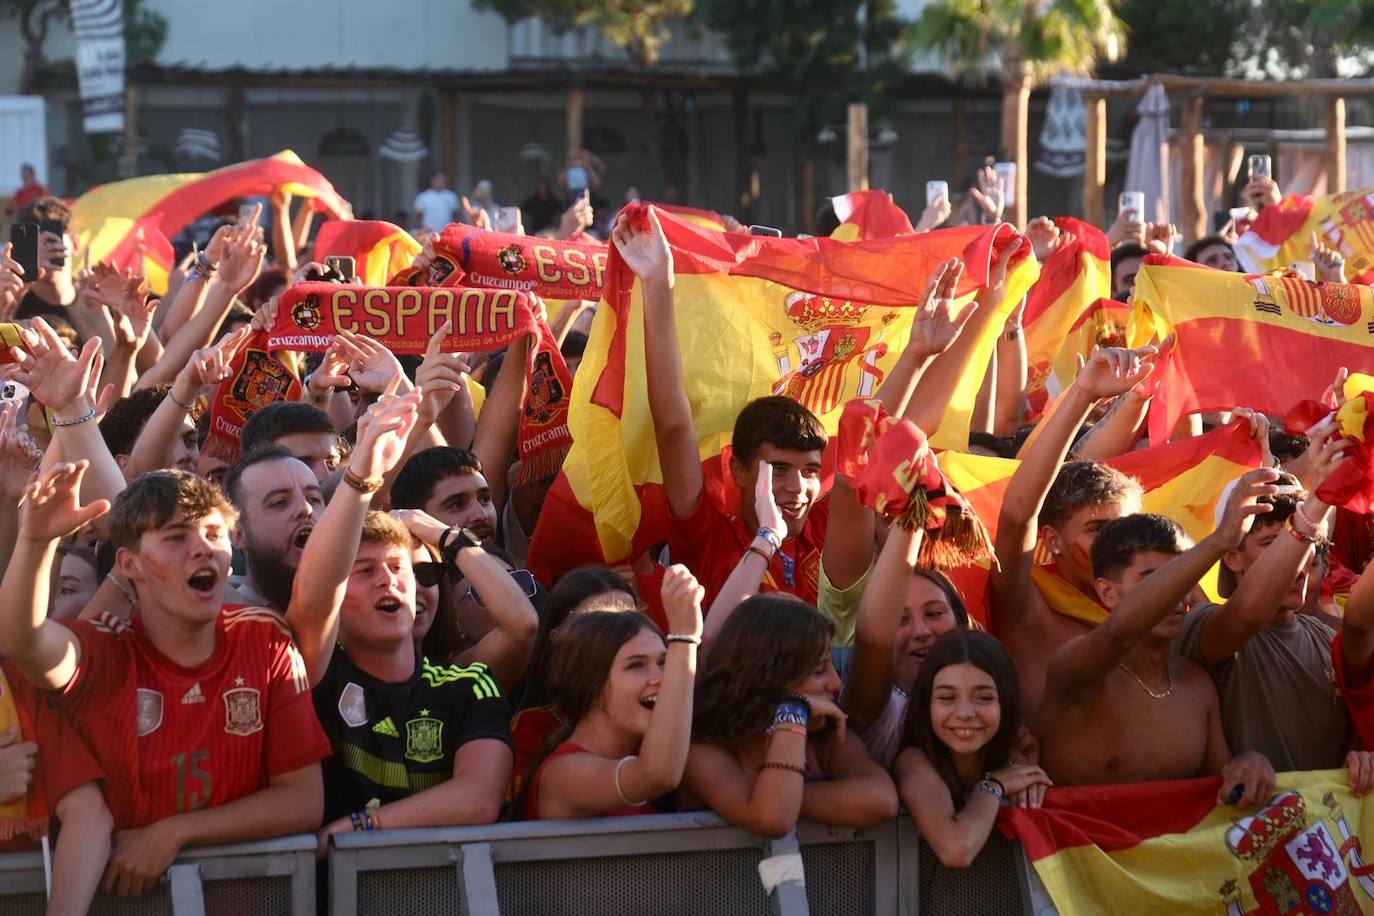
542, 464
957, 539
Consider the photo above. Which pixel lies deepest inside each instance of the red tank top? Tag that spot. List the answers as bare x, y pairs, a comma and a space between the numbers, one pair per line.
567, 747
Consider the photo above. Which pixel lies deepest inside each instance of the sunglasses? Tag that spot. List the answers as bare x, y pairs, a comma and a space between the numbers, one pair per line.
428, 574
523, 578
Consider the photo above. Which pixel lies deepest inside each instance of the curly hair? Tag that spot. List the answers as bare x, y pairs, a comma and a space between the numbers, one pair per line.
1084, 484
770, 644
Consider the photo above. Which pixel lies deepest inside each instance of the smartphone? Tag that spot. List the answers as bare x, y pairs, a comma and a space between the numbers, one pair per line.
508, 219
1132, 200
1241, 214
577, 178
14, 391
1006, 176
935, 190
768, 231
1261, 164
24, 248
346, 267
1305, 269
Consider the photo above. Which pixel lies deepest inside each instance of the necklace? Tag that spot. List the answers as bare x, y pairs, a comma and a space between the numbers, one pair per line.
1143, 686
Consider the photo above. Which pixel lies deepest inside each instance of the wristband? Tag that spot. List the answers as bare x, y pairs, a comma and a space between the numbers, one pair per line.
789, 713
689, 638
364, 485
454, 540
798, 699
75, 421
768, 559
1012, 334
1299, 535
621, 792
771, 536
173, 397
788, 727
992, 788
1307, 519
1000, 785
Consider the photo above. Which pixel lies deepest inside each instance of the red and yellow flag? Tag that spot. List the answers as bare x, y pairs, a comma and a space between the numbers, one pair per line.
1182, 480
1282, 234
380, 249
1076, 274
817, 320
114, 221
868, 215
1169, 847
1104, 324
1263, 342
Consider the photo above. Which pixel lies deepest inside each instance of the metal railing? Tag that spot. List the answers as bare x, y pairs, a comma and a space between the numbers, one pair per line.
662, 864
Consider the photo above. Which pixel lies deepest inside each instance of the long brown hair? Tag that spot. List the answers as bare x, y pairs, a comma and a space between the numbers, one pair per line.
983, 651
769, 644
584, 650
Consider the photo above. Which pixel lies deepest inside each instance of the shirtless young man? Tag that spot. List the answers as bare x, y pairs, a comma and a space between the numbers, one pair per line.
1062, 506
1119, 704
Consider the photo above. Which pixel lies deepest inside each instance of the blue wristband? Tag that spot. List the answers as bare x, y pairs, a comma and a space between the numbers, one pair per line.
771, 536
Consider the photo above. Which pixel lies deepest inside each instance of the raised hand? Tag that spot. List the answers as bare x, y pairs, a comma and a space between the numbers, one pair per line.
988, 193
440, 376
1160, 237
576, 218
421, 524
1243, 505
19, 454
682, 596
207, 367
50, 506
55, 377
11, 283
1325, 453
1044, 236
331, 373
243, 255
382, 433
1335, 392
1259, 431
765, 506
935, 325
1128, 227
645, 251
935, 214
1261, 191
1329, 262
476, 215
1114, 371
371, 366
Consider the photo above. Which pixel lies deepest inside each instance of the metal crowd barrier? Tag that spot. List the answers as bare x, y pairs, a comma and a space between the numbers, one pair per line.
666, 864
271, 878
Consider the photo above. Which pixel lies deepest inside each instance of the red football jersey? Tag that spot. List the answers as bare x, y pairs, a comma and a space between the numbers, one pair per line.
710, 544
175, 739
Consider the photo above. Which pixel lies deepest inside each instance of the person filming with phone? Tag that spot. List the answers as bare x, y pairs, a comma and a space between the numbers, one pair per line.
39, 256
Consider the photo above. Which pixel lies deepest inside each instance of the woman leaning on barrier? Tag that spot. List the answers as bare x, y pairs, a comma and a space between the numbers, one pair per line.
769, 744
625, 692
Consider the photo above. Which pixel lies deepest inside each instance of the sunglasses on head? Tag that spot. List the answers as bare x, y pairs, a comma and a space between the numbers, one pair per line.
523, 578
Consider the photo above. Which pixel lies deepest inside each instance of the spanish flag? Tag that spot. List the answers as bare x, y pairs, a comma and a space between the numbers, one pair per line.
1076, 274
707, 219
868, 215
380, 249
817, 320
1350, 486
1183, 480
1104, 324
114, 222
1169, 847
1263, 342
1282, 234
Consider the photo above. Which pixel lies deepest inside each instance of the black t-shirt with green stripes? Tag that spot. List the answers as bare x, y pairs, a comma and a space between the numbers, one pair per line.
393, 740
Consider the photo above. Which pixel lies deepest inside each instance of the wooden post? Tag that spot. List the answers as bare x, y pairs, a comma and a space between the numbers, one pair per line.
858, 146
1335, 145
1194, 223
573, 121
1094, 160
128, 161
1019, 205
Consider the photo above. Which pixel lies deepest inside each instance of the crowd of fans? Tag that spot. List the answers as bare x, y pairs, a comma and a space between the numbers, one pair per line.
336, 632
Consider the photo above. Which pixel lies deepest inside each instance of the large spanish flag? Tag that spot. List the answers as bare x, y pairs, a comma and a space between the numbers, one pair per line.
1264, 342
868, 215
1076, 274
1282, 234
114, 222
1183, 480
1168, 847
818, 320
380, 249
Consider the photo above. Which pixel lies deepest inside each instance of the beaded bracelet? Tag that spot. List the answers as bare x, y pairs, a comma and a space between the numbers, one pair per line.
781, 765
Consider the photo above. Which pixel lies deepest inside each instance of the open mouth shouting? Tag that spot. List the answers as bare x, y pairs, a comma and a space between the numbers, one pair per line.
205, 581
649, 702
302, 535
388, 604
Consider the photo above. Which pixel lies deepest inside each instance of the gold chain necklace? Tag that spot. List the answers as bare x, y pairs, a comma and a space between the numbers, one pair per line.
1145, 687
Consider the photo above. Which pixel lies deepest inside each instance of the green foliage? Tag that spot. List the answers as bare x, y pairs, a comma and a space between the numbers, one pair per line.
1184, 36
839, 51
638, 26
1020, 38
1287, 39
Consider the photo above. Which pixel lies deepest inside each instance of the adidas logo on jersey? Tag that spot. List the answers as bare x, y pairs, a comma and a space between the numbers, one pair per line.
386, 727
194, 695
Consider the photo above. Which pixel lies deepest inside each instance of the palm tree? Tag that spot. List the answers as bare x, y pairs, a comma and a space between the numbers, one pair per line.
1024, 42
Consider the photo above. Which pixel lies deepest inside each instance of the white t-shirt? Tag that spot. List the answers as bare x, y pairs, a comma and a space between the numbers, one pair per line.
436, 208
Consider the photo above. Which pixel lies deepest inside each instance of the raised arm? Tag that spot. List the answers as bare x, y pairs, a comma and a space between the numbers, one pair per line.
44, 650
1081, 663
283, 236
1357, 628
744, 580
936, 325
322, 578
1107, 373
869, 685
1009, 406
1259, 594
585, 784
646, 252
493, 439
